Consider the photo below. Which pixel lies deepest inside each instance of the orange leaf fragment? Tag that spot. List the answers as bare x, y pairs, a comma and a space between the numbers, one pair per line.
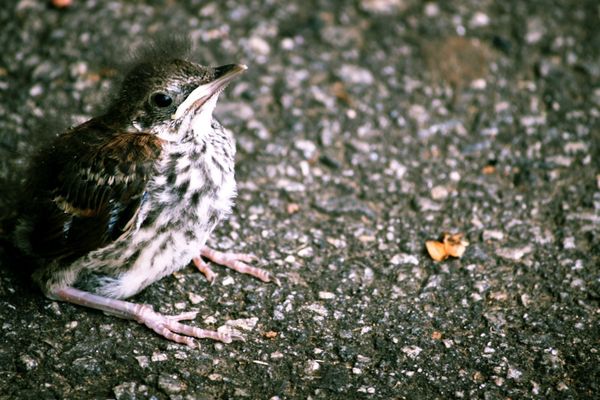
270, 335
436, 250
450, 246
61, 3
488, 169
455, 245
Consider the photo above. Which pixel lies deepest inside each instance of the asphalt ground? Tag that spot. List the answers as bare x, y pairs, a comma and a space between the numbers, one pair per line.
364, 129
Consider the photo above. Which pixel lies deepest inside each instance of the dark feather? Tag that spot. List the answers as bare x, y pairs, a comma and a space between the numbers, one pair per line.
85, 188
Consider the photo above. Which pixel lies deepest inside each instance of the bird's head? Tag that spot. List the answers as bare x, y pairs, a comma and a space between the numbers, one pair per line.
172, 98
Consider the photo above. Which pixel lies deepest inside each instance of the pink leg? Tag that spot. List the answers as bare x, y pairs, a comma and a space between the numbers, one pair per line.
165, 325
205, 269
235, 261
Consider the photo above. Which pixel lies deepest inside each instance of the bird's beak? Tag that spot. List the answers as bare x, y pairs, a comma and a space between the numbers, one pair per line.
223, 75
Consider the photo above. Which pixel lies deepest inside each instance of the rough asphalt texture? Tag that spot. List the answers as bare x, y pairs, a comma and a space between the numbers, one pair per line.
364, 129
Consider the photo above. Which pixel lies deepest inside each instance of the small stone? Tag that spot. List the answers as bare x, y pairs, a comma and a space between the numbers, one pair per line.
27, 362
308, 148
306, 252
292, 208
228, 280
560, 160
142, 361
171, 384
499, 296
397, 169
569, 243
412, 351
479, 19
403, 258
493, 235
87, 363
432, 9
126, 390
356, 75
478, 84
195, 299
156, 357
535, 387
287, 44
578, 284
426, 204
236, 327
337, 243
311, 367
574, 147
384, 6
418, 113
36, 90
259, 45
514, 254
363, 359
246, 324
525, 300
533, 120
513, 373
317, 309
215, 377
367, 238
326, 295
71, 325
239, 392
439, 193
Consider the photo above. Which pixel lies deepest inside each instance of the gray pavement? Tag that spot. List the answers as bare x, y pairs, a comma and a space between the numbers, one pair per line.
364, 128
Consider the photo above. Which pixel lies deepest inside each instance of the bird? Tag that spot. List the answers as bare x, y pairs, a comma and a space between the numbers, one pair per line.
115, 204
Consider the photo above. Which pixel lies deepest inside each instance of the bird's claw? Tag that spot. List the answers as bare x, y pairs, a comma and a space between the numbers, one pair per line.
170, 327
235, 261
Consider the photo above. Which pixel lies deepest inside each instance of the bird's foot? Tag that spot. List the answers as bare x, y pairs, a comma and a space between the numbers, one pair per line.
235, 261
169, 327
165, 325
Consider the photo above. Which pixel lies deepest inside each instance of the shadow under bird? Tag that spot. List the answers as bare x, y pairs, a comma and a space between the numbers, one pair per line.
130, 196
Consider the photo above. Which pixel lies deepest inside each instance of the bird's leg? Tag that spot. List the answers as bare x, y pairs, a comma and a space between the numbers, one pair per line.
235, 261
205, 269
165, 325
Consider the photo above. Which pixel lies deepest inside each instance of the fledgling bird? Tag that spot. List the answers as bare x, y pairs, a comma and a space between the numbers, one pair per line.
132, 195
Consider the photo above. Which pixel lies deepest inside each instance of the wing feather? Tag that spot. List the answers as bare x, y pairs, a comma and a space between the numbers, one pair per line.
85, 189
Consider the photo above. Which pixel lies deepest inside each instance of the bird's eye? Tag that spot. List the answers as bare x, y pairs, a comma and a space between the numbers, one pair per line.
161, 100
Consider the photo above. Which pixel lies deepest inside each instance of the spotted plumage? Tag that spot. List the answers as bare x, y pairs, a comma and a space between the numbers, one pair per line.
128, 197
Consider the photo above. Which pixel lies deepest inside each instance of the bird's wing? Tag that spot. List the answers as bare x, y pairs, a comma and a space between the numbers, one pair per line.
88, 188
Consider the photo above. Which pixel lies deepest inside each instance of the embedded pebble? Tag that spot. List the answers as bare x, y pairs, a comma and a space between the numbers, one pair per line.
492, 235
326, 295
514, 254
412, 351
171, 383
